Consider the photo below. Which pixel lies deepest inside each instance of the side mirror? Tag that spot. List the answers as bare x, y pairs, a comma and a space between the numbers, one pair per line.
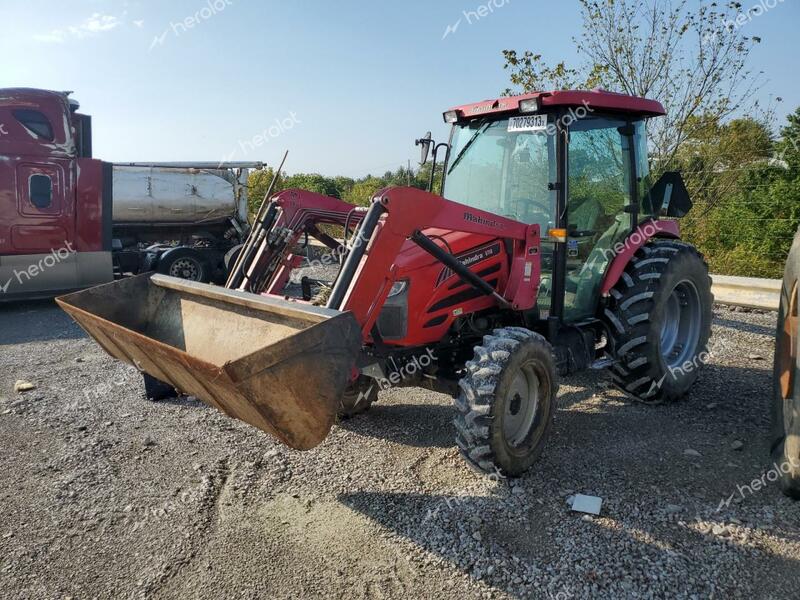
668, 197
425, 150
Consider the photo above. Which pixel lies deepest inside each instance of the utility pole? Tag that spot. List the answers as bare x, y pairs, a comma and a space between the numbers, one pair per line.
408, 173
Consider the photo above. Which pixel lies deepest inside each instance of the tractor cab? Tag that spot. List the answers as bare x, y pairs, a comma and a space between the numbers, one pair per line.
574, 163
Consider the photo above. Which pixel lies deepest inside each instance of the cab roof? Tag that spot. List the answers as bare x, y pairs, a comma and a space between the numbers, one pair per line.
593, 99
31, 93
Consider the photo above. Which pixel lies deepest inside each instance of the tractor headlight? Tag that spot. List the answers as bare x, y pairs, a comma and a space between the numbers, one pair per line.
531, 105
398, 288
451, 116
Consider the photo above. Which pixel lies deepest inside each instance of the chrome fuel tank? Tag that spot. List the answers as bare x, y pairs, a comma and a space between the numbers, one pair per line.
169, 195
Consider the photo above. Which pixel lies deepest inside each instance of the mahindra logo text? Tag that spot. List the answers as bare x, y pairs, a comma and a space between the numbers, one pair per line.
468, 216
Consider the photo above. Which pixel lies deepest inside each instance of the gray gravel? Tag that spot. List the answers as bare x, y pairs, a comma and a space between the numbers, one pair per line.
103, 494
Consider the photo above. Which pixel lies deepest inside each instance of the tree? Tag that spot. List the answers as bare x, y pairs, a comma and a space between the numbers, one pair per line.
343, 185
694, 61
313, 182
257, 186
747, 204
361, 193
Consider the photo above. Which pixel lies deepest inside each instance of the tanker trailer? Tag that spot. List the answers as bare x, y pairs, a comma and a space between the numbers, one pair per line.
179, 219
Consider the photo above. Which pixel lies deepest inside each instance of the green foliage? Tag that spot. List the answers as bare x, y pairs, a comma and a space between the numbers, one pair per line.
313, 182
257, 186
355, 191
361, 193
747, 204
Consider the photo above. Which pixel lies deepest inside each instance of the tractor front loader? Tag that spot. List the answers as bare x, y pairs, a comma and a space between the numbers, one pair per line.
547, 251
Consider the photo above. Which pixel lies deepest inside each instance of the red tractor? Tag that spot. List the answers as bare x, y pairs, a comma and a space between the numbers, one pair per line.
547, 251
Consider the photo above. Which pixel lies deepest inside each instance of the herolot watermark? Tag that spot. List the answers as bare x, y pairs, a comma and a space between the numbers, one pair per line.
278, 128
572, 115
754, 11
128, 377
211, 8
743, 18
3, 130
336, 254
473, 16
688, 366
770, 476
33, 270
416, 365
453, 502
273, 131
633, 241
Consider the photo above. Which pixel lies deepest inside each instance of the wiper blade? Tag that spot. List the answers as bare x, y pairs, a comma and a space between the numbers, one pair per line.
483, 127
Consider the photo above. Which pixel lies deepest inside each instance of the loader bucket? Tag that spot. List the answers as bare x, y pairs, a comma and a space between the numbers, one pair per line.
278, 365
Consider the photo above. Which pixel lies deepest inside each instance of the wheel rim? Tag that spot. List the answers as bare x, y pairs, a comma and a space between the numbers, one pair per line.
186, 268
521, 406
680, 332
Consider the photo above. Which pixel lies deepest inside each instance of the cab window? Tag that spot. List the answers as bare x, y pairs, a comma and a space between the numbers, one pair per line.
41, 191
35, 122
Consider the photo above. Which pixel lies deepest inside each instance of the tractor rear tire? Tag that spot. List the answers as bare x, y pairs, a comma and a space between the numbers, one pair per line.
659, 321
506, 402
357, 398
785, 438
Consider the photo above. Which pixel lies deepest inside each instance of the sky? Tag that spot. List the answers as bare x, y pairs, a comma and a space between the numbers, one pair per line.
345, 86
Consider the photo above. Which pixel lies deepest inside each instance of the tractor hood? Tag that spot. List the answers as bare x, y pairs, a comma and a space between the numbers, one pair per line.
412, 257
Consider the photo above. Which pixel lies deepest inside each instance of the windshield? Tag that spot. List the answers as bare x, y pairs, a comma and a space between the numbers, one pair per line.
503, 172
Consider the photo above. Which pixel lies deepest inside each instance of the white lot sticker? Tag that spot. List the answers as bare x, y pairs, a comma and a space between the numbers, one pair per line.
530, 123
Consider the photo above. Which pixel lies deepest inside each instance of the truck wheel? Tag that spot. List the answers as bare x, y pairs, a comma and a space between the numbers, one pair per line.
506, 402
185, 263
659, 321
785, 438
155, 389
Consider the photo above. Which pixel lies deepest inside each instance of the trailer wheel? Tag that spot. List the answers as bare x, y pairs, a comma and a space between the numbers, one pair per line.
185, 263
785, 438
659, 321
506, 402
357, 398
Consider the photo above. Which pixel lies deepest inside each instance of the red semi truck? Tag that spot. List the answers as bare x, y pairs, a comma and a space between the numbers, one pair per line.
68, 220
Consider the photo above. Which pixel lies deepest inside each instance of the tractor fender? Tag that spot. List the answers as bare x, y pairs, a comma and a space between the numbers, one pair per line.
625, 250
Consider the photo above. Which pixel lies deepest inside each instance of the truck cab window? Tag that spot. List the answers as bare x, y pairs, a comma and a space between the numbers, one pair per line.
41, 191
35, 122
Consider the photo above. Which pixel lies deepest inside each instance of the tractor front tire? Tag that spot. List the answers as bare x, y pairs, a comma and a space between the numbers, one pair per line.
785, 438
659, 321
357, 398
506, 402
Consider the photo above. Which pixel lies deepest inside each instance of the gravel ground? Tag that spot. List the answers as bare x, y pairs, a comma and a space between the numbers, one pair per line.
103, 494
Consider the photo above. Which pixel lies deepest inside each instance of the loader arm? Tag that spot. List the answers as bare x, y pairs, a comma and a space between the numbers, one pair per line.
291, 214
402, 213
